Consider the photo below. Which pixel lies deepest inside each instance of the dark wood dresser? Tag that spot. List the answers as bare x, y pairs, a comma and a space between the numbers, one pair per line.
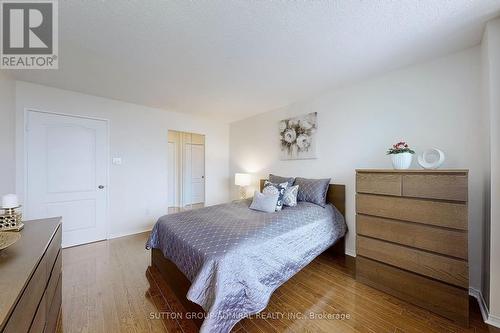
30, 279
411, 239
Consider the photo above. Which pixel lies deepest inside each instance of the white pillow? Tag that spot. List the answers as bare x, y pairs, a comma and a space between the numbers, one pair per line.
290, 196
264, 202
279, 189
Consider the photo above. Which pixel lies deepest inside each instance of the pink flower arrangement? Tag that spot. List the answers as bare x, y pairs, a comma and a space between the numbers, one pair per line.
399, 148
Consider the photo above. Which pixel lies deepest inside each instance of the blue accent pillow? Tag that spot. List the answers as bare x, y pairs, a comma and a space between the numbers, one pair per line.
278, 179
264, 202
312, 190
273, 188
290, 197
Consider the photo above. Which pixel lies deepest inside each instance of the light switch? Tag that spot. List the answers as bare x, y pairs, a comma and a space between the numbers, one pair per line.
117, 160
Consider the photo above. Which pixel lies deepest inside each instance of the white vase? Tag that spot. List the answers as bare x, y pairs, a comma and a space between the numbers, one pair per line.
401, 161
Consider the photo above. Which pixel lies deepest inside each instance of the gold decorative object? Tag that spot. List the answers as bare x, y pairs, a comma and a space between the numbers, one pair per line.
8, 238
11, 220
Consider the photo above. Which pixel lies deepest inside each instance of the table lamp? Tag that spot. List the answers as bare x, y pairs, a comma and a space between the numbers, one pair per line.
242, 180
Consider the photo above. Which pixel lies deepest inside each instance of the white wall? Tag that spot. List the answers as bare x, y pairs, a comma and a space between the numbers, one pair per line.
485, 99
139, 135
432, 104
7, 133
491, 85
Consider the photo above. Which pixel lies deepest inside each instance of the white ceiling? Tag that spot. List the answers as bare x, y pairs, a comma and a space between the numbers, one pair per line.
231, 59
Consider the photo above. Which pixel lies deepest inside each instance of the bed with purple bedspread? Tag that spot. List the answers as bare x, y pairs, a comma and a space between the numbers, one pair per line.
236, 257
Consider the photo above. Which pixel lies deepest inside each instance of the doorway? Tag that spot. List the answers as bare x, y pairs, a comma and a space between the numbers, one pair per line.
66, 174
186, 170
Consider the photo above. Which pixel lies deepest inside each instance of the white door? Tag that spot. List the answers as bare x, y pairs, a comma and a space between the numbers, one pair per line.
172, 166
67, 174
197, 173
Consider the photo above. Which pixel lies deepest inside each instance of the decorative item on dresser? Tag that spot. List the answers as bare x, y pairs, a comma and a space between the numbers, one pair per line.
30, 279
11, 220
8, 238
426, 163
412, 237
401, 155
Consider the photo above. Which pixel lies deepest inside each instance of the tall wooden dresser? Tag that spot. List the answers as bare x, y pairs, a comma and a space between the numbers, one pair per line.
30, 279
412, 237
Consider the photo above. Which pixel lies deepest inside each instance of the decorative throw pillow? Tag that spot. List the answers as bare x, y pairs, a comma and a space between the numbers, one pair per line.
312, 190
272, 188
278, 180
264, 202
290, 197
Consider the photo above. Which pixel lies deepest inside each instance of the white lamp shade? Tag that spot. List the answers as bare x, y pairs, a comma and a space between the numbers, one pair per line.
241, 179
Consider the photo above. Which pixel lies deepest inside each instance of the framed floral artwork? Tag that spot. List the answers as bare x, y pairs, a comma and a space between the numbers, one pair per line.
298, 137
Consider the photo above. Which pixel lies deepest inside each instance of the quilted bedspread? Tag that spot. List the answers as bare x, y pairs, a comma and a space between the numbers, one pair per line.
236, 257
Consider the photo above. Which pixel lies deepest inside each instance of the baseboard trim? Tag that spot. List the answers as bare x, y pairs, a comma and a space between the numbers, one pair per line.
485, 312
351, 253
128, 233
493, 320
480, 300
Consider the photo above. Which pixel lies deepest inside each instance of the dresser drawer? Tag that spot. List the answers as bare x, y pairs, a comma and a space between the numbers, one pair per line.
38, 324
439, 186
378, 183
441, 298
54, 279
444, 241
25, 268
452, 271
53, 250
444, 214
25, 310
54, 307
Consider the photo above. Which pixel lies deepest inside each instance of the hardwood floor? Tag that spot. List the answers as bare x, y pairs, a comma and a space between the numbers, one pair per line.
105, 289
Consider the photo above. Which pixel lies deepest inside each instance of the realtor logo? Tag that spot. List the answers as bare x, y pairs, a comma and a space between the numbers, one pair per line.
29, 34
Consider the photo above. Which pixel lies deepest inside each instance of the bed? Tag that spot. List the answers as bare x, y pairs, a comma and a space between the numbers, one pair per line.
225, 261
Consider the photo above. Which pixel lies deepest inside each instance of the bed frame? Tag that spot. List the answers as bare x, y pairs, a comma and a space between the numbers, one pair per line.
165, 273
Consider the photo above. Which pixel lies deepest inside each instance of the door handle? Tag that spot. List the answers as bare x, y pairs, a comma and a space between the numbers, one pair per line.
100, 187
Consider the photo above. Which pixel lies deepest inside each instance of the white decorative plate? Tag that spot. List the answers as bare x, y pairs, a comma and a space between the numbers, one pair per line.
8, 238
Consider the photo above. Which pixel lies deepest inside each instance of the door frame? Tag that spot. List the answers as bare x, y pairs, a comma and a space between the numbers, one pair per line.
22, 151
177, 196
181, 157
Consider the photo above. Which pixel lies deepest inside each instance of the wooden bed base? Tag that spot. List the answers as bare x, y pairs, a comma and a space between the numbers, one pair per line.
179, 284
164, 271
